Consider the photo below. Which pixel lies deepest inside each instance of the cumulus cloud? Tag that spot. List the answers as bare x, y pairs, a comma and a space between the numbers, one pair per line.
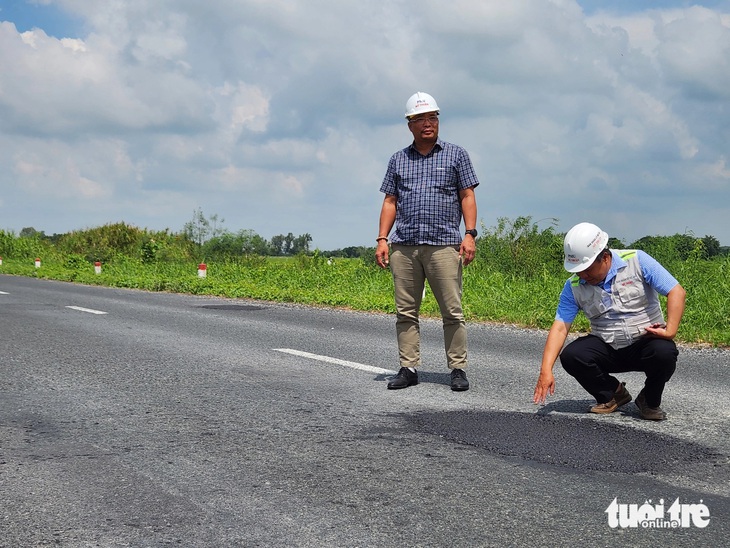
280, 115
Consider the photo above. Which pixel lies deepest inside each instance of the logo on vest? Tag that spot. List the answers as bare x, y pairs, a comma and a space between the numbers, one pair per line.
628, 280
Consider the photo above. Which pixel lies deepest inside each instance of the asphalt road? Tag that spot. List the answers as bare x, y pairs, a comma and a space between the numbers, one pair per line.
174, 420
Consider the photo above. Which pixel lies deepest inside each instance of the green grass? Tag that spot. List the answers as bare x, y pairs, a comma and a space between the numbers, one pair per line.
490, 295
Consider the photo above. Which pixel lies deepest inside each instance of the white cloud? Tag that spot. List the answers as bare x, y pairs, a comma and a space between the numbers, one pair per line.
280, 115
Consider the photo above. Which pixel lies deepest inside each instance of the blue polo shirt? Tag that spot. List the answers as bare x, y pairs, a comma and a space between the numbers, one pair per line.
654, 274
428, 208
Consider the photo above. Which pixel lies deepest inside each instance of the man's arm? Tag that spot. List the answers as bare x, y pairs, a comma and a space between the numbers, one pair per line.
469, 210
664, 283
675, 310
555, 340
387, 219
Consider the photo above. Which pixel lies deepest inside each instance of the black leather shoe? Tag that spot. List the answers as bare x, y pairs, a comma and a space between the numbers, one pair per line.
403, 379
458, 380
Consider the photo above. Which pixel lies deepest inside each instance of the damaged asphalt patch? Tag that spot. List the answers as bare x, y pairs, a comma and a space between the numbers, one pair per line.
564, 441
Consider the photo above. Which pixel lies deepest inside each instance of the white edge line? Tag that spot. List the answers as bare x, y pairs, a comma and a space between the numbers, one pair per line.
4, 293
89, 310
354, 365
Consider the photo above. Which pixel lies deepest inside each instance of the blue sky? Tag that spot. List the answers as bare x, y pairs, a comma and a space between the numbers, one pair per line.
634, 6
280, 116
54, 20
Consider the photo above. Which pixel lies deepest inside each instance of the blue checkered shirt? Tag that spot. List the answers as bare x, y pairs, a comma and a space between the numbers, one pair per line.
428, 208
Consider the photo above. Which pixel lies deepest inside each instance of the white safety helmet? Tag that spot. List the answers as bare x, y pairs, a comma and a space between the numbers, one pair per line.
419, 103
582, 245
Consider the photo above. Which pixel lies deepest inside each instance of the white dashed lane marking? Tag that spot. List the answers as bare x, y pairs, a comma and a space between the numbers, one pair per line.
89, 310
353, 365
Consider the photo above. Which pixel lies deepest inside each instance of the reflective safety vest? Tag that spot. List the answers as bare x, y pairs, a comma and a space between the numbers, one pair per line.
619, 317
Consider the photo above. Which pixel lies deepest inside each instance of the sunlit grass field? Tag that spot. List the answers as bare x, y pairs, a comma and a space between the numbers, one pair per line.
524, 298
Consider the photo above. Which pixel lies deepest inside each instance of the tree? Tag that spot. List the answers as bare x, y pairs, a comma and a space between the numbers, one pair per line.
615, 243
290, 245
200, 230
301, 244
684, 244
252, 243
520, 247
277, 245
30, 232
712, 246
667, 249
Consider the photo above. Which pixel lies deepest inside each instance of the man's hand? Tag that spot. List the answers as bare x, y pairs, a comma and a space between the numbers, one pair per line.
659, 330
381, 254
545, 386
553, 345
468, 249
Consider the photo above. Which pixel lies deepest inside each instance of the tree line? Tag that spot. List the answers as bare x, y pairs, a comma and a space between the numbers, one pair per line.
519, 245
201, 239
217, 242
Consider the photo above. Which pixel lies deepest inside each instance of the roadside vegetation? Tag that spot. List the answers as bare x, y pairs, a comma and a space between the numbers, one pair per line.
515, 279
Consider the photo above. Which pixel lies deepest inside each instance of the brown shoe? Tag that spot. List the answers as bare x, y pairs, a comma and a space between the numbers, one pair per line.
621, 397
649, 413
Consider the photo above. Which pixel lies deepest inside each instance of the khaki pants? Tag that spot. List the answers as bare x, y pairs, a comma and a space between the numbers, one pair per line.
411, 266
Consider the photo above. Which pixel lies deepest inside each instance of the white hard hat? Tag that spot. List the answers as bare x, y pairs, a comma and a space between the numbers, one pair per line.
419, 103
582, 245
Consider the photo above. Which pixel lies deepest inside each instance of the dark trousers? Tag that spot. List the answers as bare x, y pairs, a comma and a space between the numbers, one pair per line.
591, 361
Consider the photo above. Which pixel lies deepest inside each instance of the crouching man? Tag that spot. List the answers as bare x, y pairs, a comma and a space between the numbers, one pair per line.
618, 292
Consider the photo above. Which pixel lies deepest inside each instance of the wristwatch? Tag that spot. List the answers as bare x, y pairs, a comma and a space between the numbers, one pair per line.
472, 232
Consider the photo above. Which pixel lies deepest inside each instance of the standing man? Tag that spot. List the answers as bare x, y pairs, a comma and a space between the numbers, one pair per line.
428, 187
618, 292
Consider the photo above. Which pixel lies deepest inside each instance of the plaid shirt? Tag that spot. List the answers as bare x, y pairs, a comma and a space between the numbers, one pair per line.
428, 208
